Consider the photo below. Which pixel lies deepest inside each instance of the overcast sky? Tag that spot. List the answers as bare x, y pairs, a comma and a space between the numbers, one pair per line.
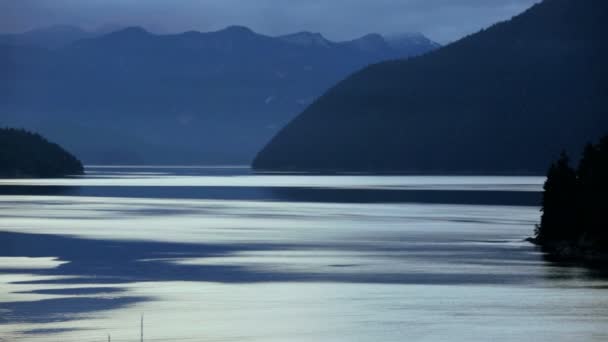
441, 20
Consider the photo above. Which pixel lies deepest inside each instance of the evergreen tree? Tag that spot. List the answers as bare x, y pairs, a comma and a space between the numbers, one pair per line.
559, 203
597, 196
575, 203
588, 179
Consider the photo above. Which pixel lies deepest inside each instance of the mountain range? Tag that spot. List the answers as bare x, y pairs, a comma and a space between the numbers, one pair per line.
507, 99
130, 96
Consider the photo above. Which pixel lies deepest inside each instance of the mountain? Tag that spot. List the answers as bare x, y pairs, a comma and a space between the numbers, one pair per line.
307, 39
504, 100
50, 37
131, 96
24, 154
369, 43
411, 43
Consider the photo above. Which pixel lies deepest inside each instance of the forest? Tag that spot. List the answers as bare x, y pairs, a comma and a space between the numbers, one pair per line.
574, 219
28, 155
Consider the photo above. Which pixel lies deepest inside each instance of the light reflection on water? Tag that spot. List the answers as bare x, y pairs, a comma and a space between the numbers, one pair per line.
77, 267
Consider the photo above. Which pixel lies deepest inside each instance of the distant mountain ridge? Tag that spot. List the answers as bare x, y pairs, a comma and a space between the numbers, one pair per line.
58, 36
504, 100
410, 41
131, 96
306, 39
49, 37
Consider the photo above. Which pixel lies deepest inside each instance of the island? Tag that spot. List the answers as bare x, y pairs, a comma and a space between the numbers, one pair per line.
574, 223
28, 155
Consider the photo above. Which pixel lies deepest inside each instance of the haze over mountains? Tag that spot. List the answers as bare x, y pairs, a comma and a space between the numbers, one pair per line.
506, 99
50, 37
131, 96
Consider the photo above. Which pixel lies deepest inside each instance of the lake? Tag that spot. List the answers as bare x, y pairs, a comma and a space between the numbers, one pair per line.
221, 254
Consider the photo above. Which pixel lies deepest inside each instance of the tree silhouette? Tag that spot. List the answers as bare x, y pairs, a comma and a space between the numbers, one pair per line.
593, 188
559, 202
25, 154
575, 203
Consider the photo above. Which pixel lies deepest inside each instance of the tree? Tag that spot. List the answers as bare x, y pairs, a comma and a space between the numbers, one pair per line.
575, 203
558, 221
588, 178
594, 186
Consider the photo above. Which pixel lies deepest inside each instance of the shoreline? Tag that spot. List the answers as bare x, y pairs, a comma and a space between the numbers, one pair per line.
571, 252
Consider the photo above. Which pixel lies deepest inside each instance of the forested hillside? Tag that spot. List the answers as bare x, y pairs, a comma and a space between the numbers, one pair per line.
504, 100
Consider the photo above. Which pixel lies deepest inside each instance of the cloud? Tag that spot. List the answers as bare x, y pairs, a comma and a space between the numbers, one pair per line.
442, 20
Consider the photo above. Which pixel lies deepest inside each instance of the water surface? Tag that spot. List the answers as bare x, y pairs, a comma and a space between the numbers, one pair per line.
220, 254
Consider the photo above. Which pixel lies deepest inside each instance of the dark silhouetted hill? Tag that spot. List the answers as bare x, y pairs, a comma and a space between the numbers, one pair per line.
28, 155
131, 96
504, 100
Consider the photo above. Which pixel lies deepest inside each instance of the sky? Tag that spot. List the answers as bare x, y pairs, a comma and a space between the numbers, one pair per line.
441, 20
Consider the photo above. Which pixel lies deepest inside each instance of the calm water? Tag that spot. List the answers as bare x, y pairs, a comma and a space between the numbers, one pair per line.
219, 254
